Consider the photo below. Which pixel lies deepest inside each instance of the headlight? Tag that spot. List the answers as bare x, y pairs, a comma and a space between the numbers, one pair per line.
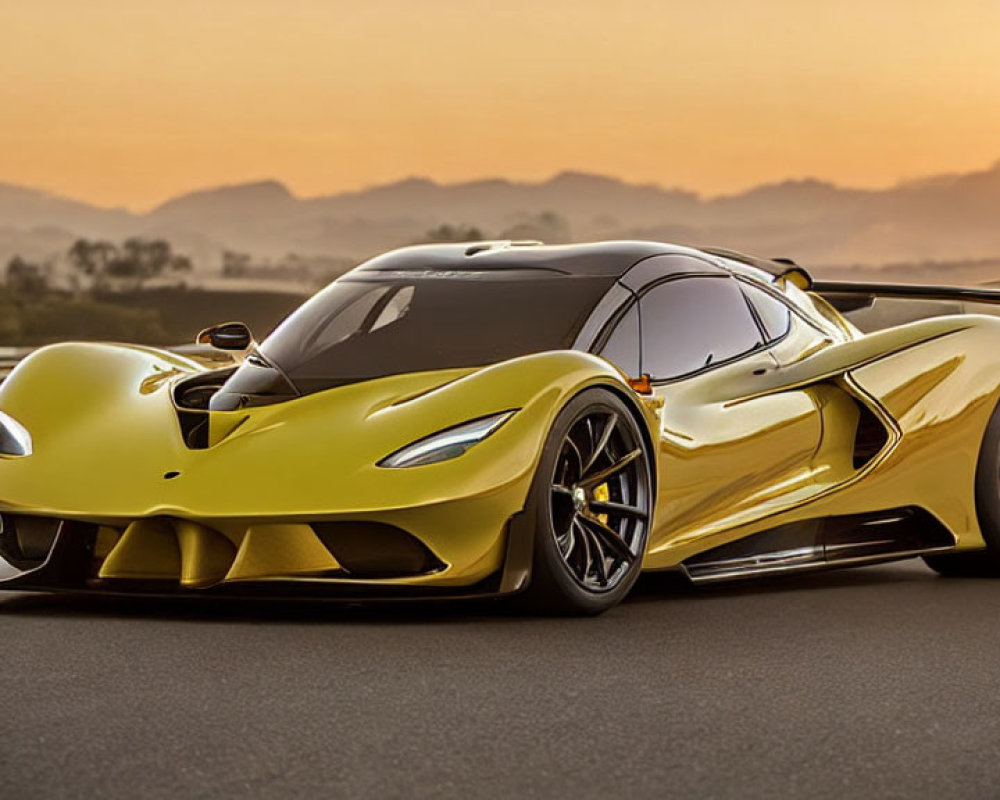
446, 444
14, 437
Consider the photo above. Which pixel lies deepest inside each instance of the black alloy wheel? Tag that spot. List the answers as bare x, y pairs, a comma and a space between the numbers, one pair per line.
593, 503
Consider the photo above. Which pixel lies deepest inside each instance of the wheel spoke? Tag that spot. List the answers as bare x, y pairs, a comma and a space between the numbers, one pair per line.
577, 455
594, 459
602, 442
600, 561
617, 509
609, 538
569, 536
584, 539
562, 511
564, 476
600, 477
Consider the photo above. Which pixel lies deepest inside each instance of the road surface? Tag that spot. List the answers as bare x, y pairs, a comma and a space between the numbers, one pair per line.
880, 682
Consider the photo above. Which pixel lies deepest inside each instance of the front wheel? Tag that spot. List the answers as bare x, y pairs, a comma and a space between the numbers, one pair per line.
592, 501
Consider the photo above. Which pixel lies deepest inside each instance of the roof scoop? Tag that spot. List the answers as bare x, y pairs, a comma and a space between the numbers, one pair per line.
500, 244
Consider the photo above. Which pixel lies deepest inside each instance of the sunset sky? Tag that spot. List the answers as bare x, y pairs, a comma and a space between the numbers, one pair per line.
126, 102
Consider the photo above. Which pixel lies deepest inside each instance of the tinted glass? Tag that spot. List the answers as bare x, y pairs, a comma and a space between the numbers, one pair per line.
691, 323
368, 327
622, 347
774, 315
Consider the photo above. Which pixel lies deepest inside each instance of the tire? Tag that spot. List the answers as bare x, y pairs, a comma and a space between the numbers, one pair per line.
980, 563
590, 535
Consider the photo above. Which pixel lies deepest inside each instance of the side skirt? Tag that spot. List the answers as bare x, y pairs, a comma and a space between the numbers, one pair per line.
826, 543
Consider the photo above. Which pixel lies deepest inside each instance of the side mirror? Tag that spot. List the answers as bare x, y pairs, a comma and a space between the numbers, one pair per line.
227, 336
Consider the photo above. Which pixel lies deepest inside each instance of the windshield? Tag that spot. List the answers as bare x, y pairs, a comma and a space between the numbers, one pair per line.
367, 326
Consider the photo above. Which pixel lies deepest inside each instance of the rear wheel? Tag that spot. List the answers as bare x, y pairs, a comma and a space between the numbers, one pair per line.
981, 563
592, 505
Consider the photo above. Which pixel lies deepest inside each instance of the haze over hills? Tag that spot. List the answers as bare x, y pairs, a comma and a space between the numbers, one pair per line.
948, 217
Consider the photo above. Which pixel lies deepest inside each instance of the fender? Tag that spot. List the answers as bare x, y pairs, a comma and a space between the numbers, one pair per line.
840, 358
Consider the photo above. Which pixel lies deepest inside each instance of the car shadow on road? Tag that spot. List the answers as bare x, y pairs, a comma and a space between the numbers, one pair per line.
652, 588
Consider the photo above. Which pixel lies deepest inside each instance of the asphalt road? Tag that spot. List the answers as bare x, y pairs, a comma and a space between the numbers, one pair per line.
881, 682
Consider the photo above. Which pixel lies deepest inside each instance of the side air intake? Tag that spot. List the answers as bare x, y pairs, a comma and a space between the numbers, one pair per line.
870, 438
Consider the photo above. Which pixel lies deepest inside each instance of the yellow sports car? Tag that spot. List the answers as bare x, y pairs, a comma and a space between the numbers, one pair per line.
507, 418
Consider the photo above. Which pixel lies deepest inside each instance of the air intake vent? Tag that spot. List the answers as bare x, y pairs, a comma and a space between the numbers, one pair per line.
485, 247
26, 541
376, 550
870, 437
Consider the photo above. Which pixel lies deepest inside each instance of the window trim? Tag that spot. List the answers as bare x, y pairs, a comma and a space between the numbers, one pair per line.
635, 299
614, 320
756, 315
761, 348
778, 295
707, 266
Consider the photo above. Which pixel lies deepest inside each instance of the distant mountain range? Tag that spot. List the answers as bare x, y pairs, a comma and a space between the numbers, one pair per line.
948, 217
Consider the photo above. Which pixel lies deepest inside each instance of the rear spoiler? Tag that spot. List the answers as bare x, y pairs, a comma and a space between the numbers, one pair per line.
851, 295
781, 269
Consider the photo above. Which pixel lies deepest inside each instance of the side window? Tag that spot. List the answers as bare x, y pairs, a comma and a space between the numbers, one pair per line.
691, 323
774, 315
622, 346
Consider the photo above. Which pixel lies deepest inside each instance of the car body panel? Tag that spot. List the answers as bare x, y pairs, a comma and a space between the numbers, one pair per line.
102, 454
764, 442
935, 382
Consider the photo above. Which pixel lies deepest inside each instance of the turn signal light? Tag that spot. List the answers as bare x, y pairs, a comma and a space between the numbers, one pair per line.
642, 384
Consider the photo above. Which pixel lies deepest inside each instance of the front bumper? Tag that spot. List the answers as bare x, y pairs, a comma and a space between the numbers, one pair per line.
270, 561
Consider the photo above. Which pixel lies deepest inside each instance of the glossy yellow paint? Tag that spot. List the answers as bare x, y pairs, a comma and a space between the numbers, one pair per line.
744, 447
106, 438
276, 551
148, 550
206, 556
731, 467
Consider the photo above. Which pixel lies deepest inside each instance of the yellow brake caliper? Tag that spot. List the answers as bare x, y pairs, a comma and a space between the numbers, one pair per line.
602, 495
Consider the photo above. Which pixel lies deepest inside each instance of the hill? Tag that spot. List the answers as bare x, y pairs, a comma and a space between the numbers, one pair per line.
947, 217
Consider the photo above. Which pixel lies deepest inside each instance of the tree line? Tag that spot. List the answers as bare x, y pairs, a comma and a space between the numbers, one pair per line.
102, 266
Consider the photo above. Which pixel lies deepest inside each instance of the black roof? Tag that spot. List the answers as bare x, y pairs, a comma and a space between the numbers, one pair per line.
608, 260
599, 259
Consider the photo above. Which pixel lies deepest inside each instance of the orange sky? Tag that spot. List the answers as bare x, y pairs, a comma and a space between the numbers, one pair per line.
125, 102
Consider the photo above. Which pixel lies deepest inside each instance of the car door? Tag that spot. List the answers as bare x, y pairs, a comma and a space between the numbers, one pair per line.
727, 455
